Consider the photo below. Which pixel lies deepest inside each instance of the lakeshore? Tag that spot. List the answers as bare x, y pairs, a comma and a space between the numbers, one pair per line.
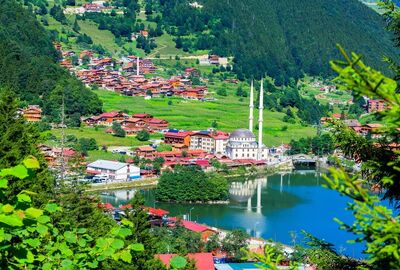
276, 207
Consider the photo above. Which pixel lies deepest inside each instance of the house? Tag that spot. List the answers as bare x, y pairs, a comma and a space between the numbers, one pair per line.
210, 141
144, 116
376, 105
205, 231
33, 113
92, 7
144, 33
157, 124
351, 123
178, 137
116, 171
194, 93
179, 147
213, 59
86, 53
204, 261
146, 152
106, 118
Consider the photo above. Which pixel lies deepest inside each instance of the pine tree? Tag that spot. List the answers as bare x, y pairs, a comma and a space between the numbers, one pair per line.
18, 140
76, 27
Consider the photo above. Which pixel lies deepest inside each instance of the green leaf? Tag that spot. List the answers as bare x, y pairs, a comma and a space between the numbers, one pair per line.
33, 212
82, 230
23, 198
117, 244
82, 242
46, 266
18, 171
33, 242
52, 207
126, 256
3, 183
43, 219
31, 163
124, 232
137, 247
70, 237
41, 229
178, 262
67, 264
8, 208
12, 220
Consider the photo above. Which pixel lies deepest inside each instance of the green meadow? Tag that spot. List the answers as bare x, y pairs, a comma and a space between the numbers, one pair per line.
229, 112
101, 136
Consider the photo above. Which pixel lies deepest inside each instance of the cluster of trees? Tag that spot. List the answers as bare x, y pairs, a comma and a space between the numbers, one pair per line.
28, 64
57, 13
297, 44
191, 184
82, 145
234, 244
318, 145
309, 110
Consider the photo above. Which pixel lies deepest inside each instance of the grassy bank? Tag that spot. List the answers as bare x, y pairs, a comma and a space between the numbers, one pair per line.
101, 136
229, 112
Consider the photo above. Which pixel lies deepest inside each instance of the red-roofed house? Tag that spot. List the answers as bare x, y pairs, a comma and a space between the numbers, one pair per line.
376, 105
147, 152
205, 231
155, 124
177, 137
204, 261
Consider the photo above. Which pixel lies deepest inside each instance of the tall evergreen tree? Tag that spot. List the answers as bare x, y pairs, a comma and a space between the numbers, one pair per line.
19, 139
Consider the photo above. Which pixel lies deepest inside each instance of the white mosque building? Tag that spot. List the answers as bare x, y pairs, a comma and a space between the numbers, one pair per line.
242, 143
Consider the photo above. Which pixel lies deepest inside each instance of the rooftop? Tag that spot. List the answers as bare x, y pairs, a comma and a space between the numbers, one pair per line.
242, 133
107, 165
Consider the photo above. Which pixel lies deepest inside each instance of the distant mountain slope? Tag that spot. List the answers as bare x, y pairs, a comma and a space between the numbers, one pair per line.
28, 64
285, 38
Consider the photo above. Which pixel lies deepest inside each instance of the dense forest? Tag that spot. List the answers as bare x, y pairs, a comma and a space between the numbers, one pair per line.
280, 38
28, 65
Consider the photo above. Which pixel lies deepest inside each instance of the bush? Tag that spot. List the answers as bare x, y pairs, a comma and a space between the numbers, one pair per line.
143, 135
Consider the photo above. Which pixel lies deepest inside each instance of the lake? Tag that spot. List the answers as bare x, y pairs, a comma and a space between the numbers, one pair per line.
276, 207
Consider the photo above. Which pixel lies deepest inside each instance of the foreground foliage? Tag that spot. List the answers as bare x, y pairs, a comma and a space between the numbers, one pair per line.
29, 239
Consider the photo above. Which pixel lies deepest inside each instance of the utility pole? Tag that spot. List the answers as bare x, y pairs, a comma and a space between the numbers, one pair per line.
62, 138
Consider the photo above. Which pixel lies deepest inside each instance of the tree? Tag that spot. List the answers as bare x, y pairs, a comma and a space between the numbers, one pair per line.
18, 140
222, 92
143, 135
374, 222
31, 239
76, 26
234, 244
117, 129
214, 124
85, 59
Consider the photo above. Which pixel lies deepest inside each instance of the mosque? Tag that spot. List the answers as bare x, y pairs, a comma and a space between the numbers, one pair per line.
242, 143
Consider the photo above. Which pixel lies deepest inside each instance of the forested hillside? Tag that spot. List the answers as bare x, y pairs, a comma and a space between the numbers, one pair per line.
282, 38
28, 64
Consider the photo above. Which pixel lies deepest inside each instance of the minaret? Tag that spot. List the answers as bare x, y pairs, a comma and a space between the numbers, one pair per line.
137, 66
251, 106
260, 119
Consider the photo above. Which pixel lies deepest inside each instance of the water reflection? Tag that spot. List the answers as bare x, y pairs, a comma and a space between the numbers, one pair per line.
270, 207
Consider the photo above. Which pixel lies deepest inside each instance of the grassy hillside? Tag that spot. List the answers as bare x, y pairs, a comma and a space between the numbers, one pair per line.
229, 112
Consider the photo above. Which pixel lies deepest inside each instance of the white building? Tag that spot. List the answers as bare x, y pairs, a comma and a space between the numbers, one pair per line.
209, 140
116, 171
242, 143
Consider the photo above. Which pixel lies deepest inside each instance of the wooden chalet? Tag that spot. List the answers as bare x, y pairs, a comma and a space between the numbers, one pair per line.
33, 113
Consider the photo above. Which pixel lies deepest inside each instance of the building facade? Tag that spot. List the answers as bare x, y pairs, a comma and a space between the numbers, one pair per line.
116, 171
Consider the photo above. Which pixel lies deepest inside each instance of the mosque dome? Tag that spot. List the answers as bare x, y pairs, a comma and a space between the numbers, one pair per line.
242, 133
